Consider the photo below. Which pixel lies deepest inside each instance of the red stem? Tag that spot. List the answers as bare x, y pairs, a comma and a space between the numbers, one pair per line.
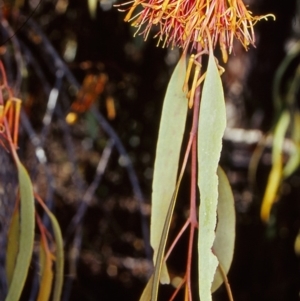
177, 238
193, 211
178, 288
192, 219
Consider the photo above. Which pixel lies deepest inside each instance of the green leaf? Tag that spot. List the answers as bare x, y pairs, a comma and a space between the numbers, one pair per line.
26, 235
279, 134
168, 148
162, 245
59, 256
293, 162
146, 295
275, 176
296, 246
46, 272
12, 245
212, 123
223, 246
294, 159
92, 4
255, 158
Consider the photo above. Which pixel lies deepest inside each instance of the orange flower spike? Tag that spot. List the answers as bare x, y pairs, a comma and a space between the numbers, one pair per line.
223, 47
201, 79
194, 85
9, 114
17, 120
208, 24
110, 107
189, 27
160, 14
128, 16
189, 23
12, 113
1, 114
187, 74
101, 81
232, 24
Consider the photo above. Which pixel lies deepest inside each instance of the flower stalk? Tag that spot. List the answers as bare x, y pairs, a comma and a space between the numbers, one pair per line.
198, 27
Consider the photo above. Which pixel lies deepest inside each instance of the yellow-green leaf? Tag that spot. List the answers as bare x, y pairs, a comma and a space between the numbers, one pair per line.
223, 246
296, 245
212, 123
47, 273
168, 148
42, 260
59, 256
276, 171
12, 245
253, 164
279, 134
92, 4
26, 235
162, 245
294, 160
146, 295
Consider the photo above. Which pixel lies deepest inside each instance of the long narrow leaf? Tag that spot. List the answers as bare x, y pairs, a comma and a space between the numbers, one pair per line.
212, 123
59, 263
162, 245
59, 254
92, 5
47, 273
146, 295
168, 148
276, 171
153, 282
225, 232
294, 160
12, 245
26, 235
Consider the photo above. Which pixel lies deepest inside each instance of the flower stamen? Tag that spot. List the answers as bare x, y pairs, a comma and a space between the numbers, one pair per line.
194, 85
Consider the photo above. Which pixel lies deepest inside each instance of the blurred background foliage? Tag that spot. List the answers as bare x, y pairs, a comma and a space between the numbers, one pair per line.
64, 56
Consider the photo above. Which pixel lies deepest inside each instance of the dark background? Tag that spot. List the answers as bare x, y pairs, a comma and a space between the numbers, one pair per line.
112, 263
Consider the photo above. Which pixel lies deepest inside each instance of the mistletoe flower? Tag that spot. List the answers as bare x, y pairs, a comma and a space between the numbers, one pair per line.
190, 23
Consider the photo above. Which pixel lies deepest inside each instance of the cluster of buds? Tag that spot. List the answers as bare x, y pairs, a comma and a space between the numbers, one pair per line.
10, 108
190, 23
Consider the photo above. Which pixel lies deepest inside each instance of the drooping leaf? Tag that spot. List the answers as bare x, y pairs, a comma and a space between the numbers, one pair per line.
42, 260
294, 160
46, 272
92, 4
280, 73
168, 148
26, 235
212, 123
146, 295
162, 245
223, 246
59, 259
276, 171
59, 254
297, 244
255, 158
12, 245
279, 134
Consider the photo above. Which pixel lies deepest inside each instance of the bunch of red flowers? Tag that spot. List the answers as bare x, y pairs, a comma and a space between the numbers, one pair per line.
190, 23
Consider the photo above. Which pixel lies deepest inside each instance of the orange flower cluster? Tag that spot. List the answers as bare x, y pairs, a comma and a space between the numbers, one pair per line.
190, 23
10, 108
